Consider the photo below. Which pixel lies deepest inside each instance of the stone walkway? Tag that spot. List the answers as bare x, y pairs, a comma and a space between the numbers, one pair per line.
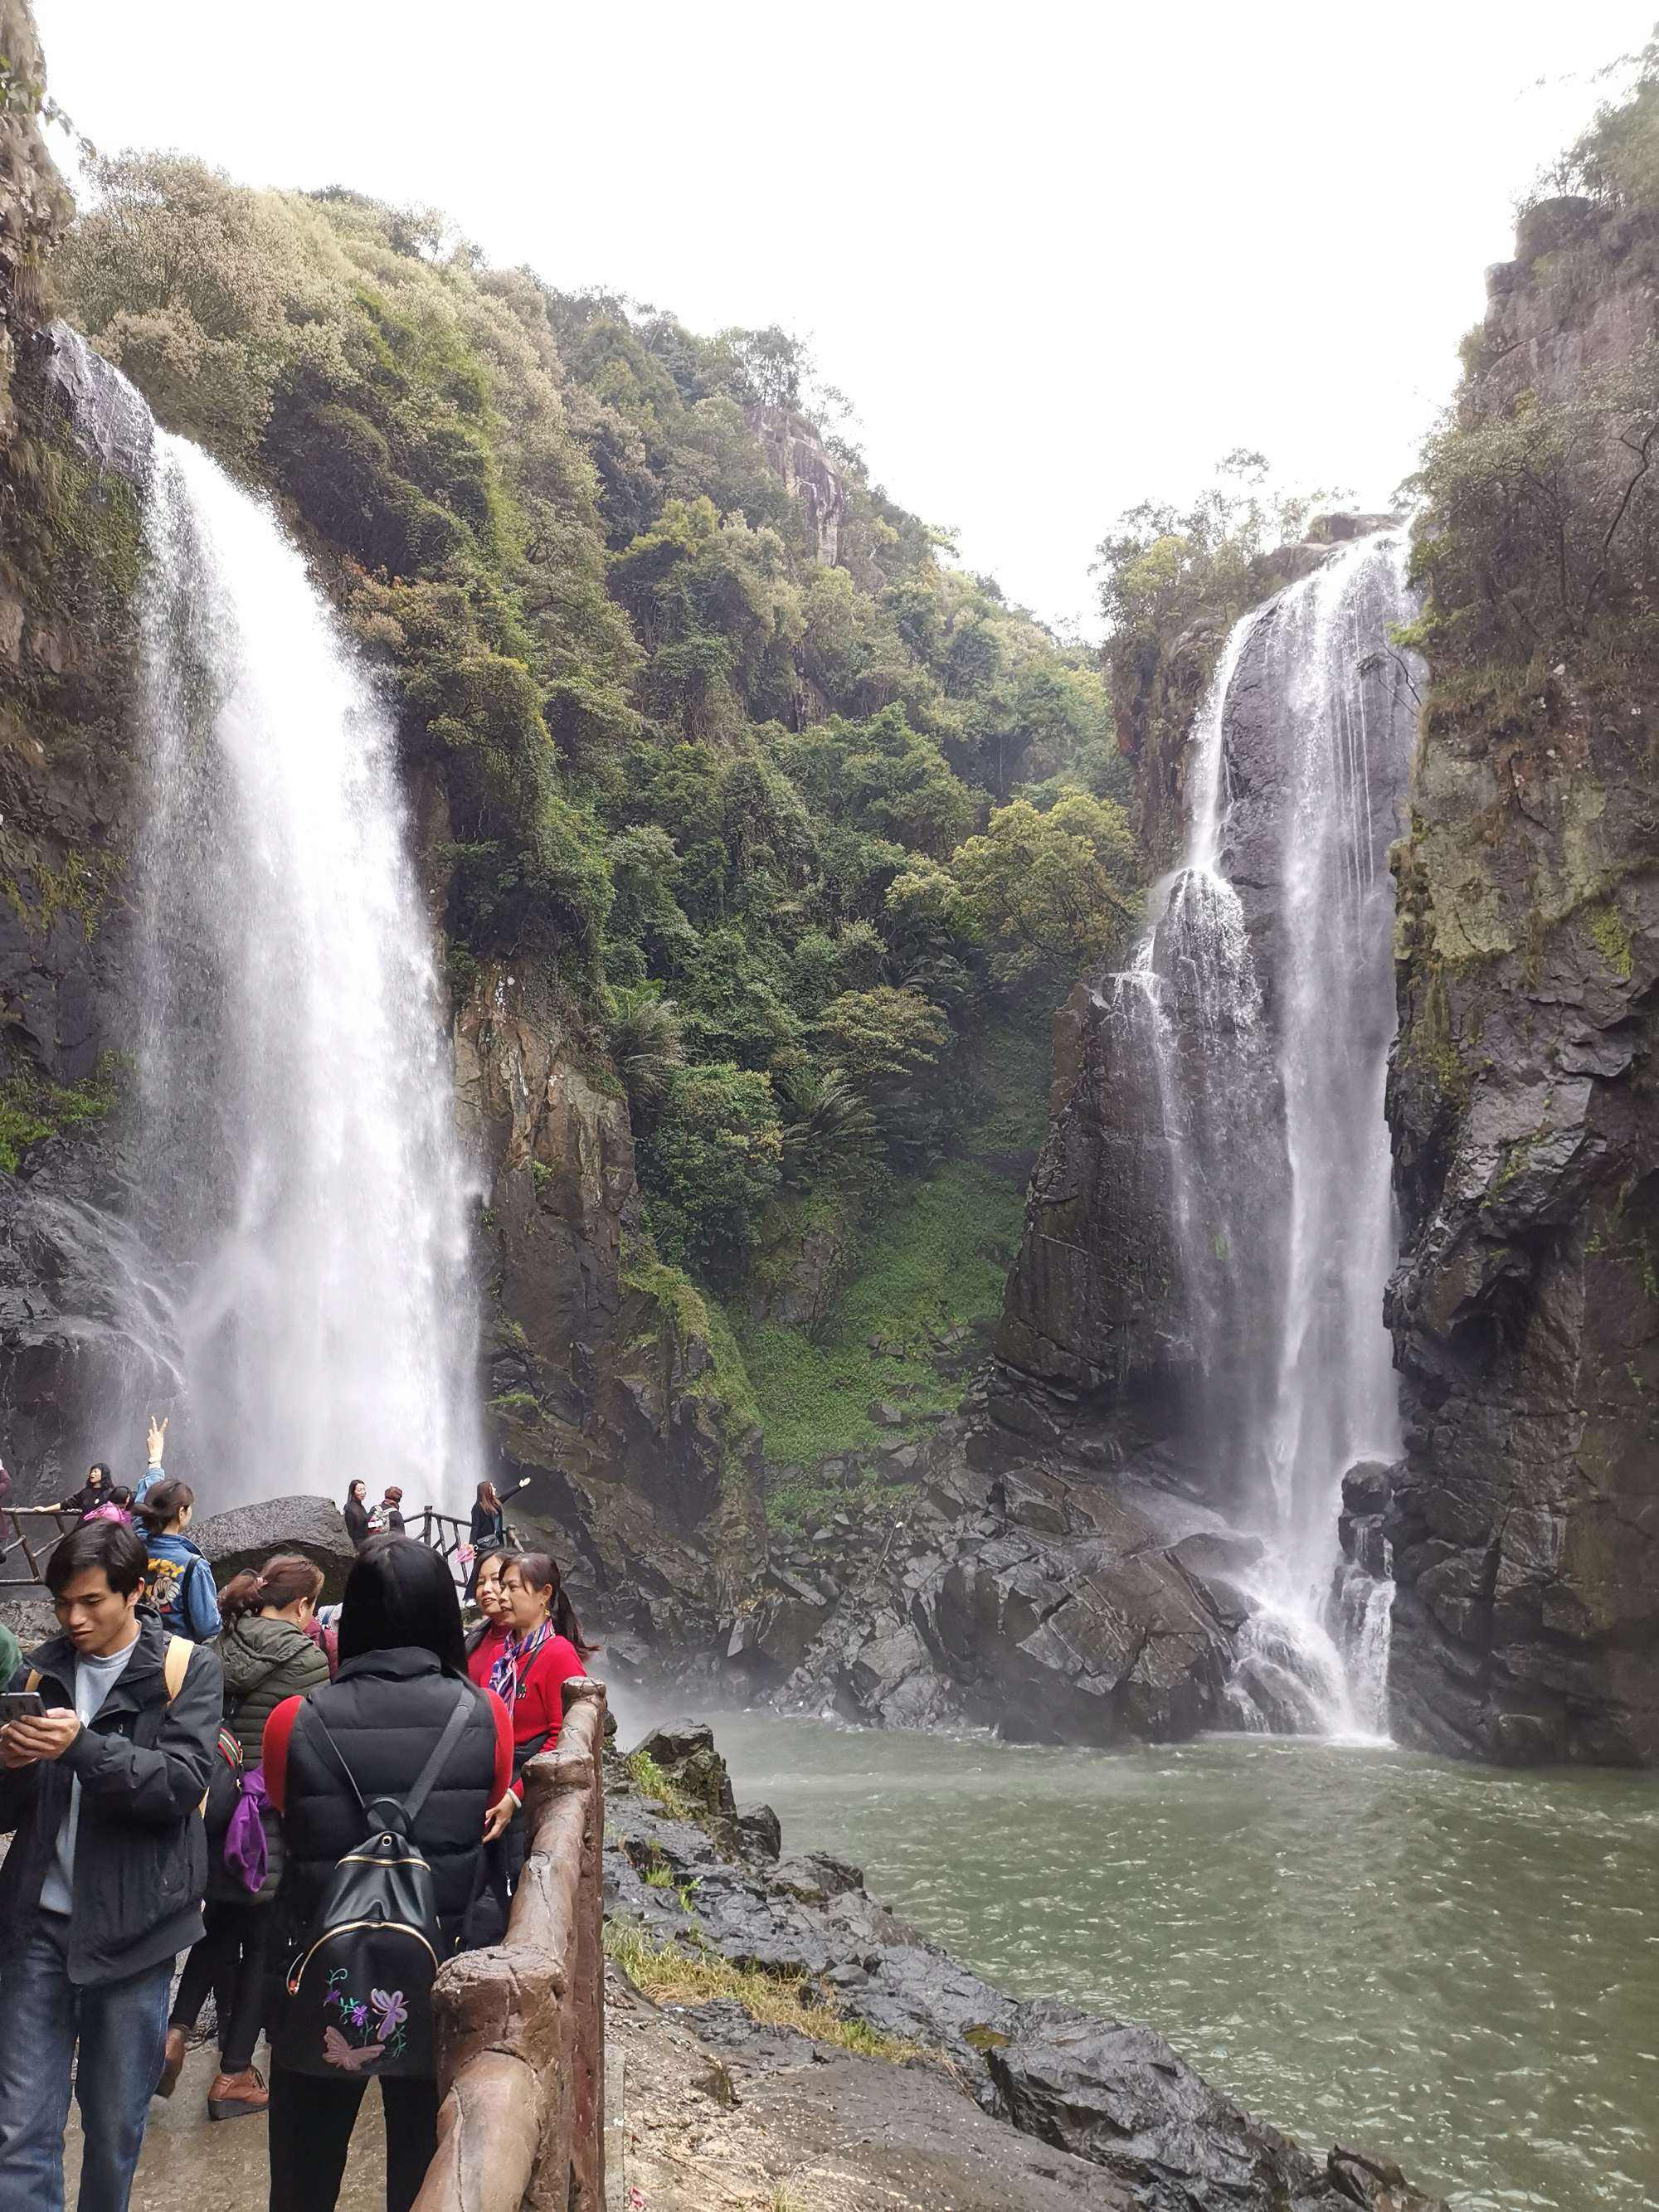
193, 2163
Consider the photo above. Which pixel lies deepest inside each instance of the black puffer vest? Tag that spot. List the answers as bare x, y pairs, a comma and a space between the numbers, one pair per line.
385, 1712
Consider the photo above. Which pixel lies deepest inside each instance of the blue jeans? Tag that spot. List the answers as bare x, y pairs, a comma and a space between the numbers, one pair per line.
121, 2029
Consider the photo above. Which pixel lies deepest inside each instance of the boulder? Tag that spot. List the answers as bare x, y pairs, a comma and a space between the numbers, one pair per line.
1119, 2096
246, 1535
684, 1752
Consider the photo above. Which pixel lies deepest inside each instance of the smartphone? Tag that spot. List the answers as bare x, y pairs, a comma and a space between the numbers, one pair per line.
20, 1705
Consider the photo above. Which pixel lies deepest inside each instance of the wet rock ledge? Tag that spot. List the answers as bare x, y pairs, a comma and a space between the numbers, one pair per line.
778, 1966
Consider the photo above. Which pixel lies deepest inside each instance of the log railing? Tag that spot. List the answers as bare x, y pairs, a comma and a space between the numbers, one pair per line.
35, 1542
520, 2028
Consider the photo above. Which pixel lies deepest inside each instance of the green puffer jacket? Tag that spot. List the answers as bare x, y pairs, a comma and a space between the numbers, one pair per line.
264, 1662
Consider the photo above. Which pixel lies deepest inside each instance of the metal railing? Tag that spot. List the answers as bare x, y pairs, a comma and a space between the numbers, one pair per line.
15, 1538
520, 2028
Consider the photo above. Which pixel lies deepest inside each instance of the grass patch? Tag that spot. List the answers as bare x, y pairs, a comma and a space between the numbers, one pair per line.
937, 1259
651, 1782
32, 1108
669, 1975
684, 1312
796, 1509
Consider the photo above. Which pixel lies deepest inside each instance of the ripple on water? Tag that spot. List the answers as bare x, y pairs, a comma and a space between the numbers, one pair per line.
1457, 1966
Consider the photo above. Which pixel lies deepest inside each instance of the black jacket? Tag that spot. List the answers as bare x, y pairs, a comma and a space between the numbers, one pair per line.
488, 1529
355, 1514
140, 1852
386, 1710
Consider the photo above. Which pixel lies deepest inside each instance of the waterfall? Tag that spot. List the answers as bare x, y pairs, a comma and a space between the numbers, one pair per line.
301, 1300
1268, 967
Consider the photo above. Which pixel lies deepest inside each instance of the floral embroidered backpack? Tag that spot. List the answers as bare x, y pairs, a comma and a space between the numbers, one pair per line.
357, 1998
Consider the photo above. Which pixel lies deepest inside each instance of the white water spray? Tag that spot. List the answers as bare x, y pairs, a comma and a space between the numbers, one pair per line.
299, 1185
1269, 1062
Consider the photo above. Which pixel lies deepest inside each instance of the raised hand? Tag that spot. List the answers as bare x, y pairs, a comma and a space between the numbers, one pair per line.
157, 1437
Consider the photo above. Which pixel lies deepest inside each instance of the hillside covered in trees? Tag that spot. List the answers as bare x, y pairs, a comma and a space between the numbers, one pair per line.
813, 828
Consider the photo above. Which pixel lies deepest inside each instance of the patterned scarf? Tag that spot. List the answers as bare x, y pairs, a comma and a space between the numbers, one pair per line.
514, 1661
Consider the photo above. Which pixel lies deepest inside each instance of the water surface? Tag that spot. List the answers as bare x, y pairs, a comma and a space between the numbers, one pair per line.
1457, 1966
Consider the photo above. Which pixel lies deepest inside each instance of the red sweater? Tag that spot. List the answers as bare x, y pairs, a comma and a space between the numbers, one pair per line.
538, 1709
480, 1661
280, 1727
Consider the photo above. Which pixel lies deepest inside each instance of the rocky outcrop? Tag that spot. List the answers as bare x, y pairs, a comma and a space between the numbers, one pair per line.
247, 1536
1013, 1599
607, 1388
69, 542
1103, 2094
795, 450
1525, 1517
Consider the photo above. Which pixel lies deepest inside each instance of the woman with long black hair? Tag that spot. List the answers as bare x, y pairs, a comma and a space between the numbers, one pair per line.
354, 1513
403, 1668
267, 1657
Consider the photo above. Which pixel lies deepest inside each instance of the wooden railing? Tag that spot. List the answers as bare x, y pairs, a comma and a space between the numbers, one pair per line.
520, 2028
15, 1537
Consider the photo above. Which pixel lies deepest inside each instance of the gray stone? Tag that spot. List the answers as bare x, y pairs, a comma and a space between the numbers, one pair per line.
247, 1536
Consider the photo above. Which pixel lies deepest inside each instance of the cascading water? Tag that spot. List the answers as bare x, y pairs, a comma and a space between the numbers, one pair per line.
1264, 995
294, 1284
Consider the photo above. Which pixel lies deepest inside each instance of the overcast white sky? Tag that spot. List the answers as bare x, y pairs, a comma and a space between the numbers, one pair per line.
1061, 257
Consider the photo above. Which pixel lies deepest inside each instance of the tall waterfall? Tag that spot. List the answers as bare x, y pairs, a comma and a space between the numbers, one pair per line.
295, 1265
1264, 992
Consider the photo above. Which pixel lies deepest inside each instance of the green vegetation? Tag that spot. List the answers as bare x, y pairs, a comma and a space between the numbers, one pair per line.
32, 1109
651, 1782
1613, 939
671, 1975
932, 1259
790, 839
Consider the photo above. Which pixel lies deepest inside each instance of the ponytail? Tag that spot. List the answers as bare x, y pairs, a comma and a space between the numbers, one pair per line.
539, 1570
283, 1579
162, 1503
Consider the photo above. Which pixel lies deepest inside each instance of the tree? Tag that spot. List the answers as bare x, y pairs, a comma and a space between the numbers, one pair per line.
710, 1165
1057, 890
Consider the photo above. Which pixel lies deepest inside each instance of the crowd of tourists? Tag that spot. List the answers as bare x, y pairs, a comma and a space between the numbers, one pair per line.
310, 1806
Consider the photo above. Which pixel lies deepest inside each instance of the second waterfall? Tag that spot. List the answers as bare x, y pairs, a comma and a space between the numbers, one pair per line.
1259, 1012
297, 1284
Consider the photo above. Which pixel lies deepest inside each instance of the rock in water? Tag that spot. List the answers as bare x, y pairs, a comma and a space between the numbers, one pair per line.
247, 1536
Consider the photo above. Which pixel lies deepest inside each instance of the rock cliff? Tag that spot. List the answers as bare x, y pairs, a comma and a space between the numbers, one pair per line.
1525, 1517
70, 537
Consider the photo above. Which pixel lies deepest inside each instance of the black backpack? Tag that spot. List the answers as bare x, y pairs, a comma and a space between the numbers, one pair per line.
358, 1995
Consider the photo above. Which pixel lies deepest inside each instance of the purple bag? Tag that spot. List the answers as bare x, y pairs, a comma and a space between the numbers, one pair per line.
247, 1854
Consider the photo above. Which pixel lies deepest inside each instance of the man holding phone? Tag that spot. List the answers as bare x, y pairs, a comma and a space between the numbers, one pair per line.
103, 1765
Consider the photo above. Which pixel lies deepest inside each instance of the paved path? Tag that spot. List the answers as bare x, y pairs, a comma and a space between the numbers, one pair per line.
193, 2163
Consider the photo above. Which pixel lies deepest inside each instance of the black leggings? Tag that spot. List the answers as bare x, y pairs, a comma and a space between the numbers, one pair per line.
311, 2119
230, 1961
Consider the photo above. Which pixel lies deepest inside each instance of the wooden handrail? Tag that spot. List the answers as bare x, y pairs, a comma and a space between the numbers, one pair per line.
16, 1515
520, 2028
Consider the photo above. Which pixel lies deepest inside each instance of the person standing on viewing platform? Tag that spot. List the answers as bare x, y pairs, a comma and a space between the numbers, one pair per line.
92, 1491
355, 1514
335, 1762
542, 1651
483, 1646
267, 1655
180, 1580
487, 1532
101, 1888
116, 1506
95, 1490
387, 1518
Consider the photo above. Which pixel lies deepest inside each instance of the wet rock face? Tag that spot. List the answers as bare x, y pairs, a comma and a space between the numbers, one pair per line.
1019, 1600
599, 1399
68, 521
1525, 1518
